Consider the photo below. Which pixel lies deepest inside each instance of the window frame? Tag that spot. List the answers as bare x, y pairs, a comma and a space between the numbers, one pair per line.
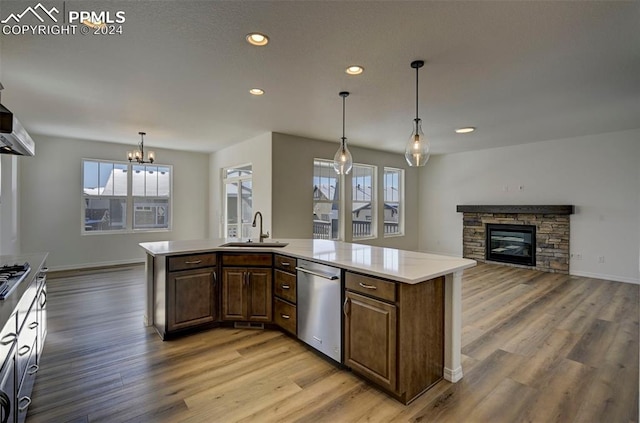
401, 200
129, 200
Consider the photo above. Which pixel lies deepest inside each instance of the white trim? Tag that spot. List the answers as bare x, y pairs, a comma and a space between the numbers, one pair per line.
613, 278
453, 326
98, 264
454, 375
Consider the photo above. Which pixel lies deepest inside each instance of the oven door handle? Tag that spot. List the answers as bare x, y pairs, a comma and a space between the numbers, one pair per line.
322, 275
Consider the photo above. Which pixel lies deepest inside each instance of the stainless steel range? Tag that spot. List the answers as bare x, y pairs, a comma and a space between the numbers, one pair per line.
10, 277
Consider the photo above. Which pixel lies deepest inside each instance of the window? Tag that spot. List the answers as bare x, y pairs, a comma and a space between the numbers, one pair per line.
238, 197
150, 188
326, 200
363, 201
108, 200
393, 201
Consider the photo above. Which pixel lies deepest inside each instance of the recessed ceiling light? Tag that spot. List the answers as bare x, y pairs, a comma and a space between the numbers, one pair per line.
465, 130
256, 91
257, 39
354, 70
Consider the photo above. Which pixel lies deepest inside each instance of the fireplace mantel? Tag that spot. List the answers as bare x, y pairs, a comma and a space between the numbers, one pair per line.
529, 209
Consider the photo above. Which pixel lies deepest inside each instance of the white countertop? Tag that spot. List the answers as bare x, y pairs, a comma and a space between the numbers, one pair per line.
398, 265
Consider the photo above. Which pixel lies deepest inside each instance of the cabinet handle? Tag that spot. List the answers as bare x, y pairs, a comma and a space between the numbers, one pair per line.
345, 307
215, 277
33, 369
5, 403
193, 262
285, 264
27, 401
285, 316
44, 269
8, 339
24, 350
364, 285
33, 325
44, 299
285, 286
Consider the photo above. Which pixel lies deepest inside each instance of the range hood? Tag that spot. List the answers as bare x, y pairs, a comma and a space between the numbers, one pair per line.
14, 139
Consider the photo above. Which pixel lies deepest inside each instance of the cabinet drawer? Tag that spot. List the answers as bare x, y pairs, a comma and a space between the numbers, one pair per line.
288, 264
285, 286
371, 286
247, 259
193, 261
285, 316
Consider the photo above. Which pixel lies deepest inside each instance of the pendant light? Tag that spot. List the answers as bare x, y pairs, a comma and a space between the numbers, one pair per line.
342, 161
417, 150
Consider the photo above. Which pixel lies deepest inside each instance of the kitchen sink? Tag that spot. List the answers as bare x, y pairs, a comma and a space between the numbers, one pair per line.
252, 244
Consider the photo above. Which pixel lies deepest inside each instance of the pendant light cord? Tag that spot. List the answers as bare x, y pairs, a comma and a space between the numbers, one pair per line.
417, 118
343, 119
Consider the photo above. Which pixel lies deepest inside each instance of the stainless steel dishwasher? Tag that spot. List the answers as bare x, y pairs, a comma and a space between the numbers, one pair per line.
320, 308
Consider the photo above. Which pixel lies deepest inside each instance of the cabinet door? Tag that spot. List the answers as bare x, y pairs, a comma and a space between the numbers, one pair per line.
370, 339
192, 299
260, 296
234, 288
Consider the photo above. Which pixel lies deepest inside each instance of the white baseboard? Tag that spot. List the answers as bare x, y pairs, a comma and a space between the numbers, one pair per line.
99, 264
605, 277
453, 376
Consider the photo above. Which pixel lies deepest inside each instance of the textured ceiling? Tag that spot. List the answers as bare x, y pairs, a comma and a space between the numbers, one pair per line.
519, 71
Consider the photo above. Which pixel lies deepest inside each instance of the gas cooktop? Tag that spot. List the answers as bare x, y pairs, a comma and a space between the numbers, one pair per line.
10, 277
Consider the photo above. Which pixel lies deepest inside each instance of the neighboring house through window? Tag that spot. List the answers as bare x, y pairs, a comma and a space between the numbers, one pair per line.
238, 200
393, 201
326, 200
363, 201
119, 196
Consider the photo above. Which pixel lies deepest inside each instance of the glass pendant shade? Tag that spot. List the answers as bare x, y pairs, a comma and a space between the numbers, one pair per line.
417, 150
343, 161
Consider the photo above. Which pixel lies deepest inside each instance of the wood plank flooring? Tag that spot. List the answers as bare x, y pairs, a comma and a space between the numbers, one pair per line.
537, 347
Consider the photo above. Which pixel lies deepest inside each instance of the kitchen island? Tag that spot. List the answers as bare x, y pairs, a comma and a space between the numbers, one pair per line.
399, 286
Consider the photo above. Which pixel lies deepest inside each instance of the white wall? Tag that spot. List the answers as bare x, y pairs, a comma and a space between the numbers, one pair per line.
51, 196
256, 151
9, 204
598, 174
292, 196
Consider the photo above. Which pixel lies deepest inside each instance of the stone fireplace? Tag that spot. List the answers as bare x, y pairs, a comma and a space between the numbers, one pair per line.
545, 248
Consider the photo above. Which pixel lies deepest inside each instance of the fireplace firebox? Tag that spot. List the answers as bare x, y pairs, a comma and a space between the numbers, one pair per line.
514, 244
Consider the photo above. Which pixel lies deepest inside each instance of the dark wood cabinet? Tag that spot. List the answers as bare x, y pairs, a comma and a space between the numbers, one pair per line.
285, 293
186, 293
247, 292
193, 298
394, 333
370, 338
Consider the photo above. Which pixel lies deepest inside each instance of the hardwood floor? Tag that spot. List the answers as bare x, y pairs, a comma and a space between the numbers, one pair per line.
537, 347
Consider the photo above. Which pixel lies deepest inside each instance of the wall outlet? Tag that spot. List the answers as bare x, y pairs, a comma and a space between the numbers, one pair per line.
601, 259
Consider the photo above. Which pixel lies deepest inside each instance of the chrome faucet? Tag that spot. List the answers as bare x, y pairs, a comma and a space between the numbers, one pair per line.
255, 217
